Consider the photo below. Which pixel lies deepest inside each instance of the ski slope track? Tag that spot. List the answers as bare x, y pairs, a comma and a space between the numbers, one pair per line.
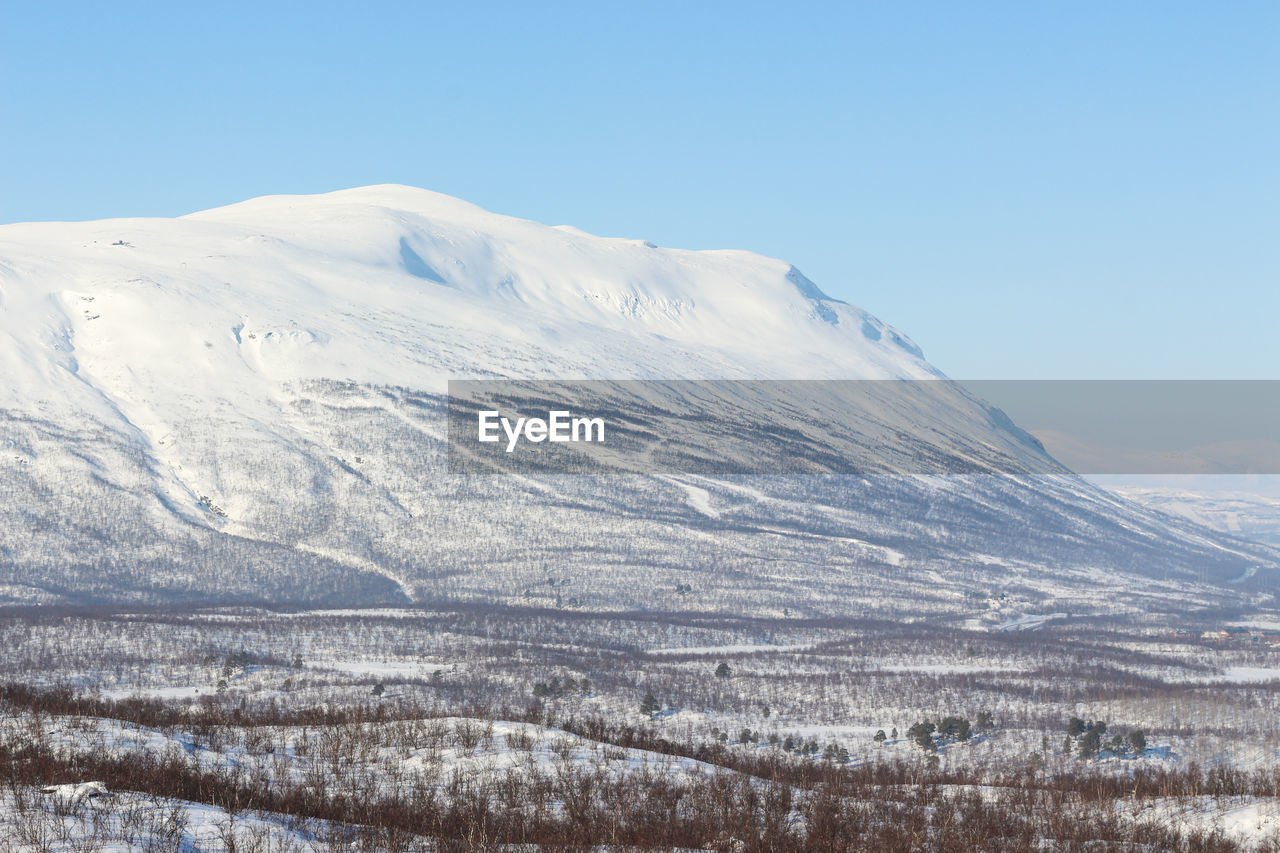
246, 405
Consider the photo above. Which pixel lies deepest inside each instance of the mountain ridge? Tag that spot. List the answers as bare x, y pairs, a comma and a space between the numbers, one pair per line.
259, 386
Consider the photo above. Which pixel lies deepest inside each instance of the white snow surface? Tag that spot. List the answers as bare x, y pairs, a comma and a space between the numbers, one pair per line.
245, 400
157, 330
124, 318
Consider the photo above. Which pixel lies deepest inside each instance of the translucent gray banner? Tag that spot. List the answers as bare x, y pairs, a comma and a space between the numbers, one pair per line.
1204, 427
865, 427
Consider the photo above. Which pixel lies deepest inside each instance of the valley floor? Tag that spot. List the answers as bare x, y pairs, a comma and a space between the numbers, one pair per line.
480, 728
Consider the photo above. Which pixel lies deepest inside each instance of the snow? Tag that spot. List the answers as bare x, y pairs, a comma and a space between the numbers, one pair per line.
948, 668
1029, 622
1248, 820
387, 669
1257, 624
732, 649
117, 322
139, 824
1241, 674
698, 498
336, 286
190, 343
182, 692
493, 749
75, 792
263, 374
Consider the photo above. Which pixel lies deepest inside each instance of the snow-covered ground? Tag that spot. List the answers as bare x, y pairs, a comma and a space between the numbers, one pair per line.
68, 816
815, 693
246, 404
435, 748
128, 822
1249, 820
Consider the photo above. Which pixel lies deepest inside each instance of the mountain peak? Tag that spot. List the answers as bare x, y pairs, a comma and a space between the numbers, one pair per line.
397, 197
392, 282
250, 399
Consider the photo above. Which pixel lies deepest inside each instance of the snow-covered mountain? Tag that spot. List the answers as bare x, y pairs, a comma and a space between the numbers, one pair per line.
246, 403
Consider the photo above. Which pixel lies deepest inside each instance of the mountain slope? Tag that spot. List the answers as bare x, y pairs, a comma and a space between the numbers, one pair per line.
246, 403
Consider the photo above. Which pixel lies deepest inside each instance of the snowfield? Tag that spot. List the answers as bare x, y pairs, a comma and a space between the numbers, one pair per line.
313, 712
247, 604
127, 822
245, 405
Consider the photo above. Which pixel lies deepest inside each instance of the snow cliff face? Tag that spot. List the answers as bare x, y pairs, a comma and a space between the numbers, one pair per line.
245, 402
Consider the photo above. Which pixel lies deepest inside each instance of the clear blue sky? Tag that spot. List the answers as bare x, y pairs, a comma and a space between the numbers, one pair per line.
1028, 189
